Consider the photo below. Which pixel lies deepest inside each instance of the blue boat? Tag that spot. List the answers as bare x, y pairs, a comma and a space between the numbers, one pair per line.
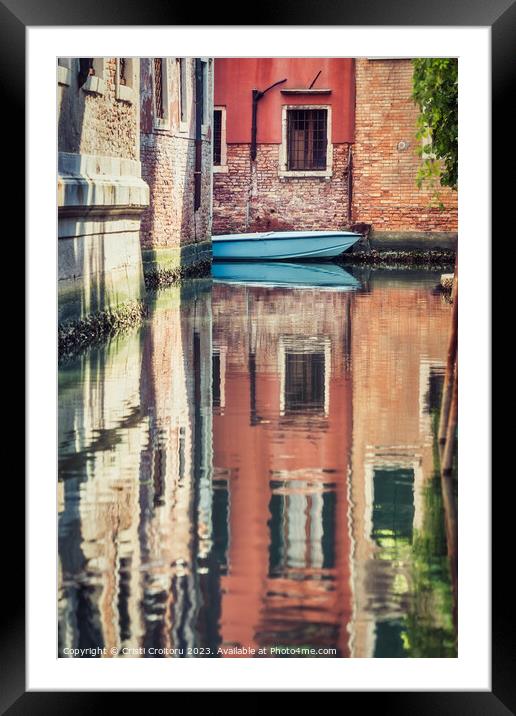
282, 245
282, 274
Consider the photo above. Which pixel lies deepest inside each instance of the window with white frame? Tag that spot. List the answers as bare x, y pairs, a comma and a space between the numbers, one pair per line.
219, 140
125, 80
306, 149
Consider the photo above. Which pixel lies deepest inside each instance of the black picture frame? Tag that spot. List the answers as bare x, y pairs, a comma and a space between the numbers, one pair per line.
500, 16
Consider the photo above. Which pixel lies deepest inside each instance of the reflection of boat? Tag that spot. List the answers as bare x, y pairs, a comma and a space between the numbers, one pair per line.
284, 274
275, 245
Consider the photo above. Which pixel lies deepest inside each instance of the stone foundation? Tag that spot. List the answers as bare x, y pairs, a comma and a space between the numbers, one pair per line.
100, 200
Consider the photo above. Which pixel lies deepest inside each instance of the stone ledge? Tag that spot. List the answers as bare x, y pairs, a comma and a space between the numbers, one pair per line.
175, 257
95, 164
104, 186
166, 266
413, 240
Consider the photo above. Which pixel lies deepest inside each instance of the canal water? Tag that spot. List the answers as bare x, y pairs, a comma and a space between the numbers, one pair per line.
253, 473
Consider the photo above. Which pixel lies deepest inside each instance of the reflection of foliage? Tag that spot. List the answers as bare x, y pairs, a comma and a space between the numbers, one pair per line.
422, 574
430, 624
435, 91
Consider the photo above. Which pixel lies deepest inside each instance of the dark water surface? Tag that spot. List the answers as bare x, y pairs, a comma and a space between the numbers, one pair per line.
256, 468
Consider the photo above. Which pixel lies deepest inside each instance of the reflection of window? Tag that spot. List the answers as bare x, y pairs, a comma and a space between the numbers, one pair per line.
216, 380
218, 370
304, 382
302, 528
304, 365
220, 519
435, 388
393, 506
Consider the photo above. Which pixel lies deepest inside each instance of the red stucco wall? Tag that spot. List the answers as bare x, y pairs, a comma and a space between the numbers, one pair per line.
235, 78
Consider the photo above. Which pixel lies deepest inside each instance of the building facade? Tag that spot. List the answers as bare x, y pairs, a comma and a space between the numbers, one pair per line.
101, 194
176, 152
322, 144
296, 172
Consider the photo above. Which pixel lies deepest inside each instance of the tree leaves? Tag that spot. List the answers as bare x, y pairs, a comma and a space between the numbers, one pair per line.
435, 91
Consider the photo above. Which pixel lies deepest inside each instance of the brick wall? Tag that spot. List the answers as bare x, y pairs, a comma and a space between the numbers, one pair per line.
168, 168
257, 199
384, 173
168, 163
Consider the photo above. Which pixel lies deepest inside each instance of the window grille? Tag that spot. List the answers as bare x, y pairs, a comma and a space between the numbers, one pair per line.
122, 70
182, 81
158, 87
306, 139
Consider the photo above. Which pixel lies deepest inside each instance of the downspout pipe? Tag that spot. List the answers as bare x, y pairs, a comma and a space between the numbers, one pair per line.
199, 101
257, 96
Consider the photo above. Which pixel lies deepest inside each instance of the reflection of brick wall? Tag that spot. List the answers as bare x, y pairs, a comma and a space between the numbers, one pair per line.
384, 188
265, 201
396, 330
305, 449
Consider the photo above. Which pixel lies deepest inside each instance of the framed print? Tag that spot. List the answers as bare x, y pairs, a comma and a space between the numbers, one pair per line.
255, 434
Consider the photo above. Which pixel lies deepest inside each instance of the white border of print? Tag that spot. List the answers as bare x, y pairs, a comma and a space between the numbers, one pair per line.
471, 670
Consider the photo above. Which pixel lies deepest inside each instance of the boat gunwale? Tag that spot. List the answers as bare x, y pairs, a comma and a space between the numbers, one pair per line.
279, 236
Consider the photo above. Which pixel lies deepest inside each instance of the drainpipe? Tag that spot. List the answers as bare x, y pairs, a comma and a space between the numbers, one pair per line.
199, 100
350, 183
257, 95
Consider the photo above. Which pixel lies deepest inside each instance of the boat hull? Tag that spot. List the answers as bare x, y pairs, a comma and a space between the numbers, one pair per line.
277, 246
283, 274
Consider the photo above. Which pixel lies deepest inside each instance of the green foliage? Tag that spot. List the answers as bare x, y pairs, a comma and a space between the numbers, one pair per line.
435, 91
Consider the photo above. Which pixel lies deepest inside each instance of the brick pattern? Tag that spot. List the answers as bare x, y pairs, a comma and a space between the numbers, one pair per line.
168, 163
97, 124
255, 198
384, 175
168, 168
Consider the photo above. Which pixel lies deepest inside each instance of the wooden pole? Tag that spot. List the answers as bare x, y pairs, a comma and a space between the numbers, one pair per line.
447, 434
450, 368
449, 501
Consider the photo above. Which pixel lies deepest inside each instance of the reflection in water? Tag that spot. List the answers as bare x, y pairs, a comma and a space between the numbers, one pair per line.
256, 468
